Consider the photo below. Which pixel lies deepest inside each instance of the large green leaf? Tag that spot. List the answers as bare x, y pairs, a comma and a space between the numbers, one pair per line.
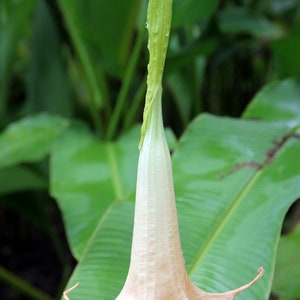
234, 181
287, 271
103, 266
283, 99
231, 200
89, 179
29, 139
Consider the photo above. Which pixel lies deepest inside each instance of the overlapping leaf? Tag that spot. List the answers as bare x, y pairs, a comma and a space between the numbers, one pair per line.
29, 139
19, 178
277, 102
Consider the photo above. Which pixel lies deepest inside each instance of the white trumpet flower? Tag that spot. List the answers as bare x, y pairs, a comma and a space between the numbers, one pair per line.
157, 268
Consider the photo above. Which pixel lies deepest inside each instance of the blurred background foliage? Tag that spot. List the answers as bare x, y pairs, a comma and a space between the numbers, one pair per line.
63, 60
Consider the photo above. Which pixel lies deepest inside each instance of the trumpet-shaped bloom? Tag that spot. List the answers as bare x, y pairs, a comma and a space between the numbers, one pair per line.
157, 268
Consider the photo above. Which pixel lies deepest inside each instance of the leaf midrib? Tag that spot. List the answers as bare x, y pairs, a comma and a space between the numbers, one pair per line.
115, 174
119, 193
97, 229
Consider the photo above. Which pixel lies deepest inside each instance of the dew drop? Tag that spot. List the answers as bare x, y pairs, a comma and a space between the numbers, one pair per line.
147, 25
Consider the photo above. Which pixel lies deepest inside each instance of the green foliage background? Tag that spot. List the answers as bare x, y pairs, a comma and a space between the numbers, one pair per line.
72, 85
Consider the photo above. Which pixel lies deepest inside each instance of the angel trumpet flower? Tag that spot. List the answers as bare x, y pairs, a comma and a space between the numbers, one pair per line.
157, 268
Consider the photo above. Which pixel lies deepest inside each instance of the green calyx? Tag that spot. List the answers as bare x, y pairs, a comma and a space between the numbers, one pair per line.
159, 18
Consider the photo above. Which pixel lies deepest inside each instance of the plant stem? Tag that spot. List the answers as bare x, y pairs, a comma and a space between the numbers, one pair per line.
136, 104
95, 80
121, 101
11, 31
22, 285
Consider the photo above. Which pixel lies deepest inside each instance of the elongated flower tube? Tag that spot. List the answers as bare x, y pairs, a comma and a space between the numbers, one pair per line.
157, 268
